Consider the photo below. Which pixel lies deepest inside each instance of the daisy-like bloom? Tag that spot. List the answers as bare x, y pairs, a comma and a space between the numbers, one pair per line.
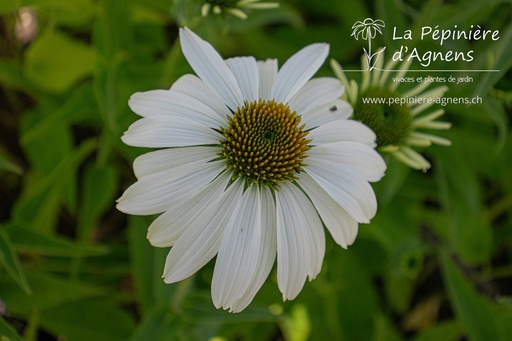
395, 117
234, 7
367, 29
233, 180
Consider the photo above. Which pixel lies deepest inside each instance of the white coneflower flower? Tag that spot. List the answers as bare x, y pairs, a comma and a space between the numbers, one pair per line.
234, 7
234, 182
395, 116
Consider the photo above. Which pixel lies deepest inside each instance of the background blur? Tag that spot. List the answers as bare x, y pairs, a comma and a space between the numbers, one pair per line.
434, 264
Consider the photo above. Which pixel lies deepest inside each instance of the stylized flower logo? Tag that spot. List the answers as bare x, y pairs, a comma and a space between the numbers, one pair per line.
367, 29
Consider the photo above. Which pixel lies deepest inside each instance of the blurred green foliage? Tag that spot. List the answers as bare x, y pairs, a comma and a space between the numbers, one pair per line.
434, 264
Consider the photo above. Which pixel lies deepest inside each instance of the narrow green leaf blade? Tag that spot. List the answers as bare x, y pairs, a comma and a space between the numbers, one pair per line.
48, 291
500, 58
472, 310
7, 165
11, 263
147, 266
86, 320
7, 331
447, 331
100, 185
33, 242
158, 325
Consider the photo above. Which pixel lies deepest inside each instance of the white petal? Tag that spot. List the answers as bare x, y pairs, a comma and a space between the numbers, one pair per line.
169, 131
267, 252
354, 155
298, 70
246, 73
165, 159
201, 241
342, 130
175, 104
300, 240
331, 111
316, 92
339, 223
247, 252
169, 226
157, 192
209, 66
236, 261
194, 87
267, 74
239, 259
348, 188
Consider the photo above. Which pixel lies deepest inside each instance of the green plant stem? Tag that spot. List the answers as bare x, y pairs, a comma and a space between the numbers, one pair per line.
502, 206
181, 293
30, 333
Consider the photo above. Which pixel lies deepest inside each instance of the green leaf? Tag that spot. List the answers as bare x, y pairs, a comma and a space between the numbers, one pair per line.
79, 104
99, 189
54, 143
11, 263
392, 16
459, 190
7, 331
74, 13
44, 152
43, 207
447, 331
385, 329
472, 310
200, 309
47, 292
455, 15
399, 291
37, 206
356, 301
296, 326
112, 31
112, 35
497, 112
500, 58
33, 242
504, 316
7, 6
86, 320
344, 303
39, 209
7, 165
392, 183
159, 324
55, 62
147, 267
11, 75
349, 12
